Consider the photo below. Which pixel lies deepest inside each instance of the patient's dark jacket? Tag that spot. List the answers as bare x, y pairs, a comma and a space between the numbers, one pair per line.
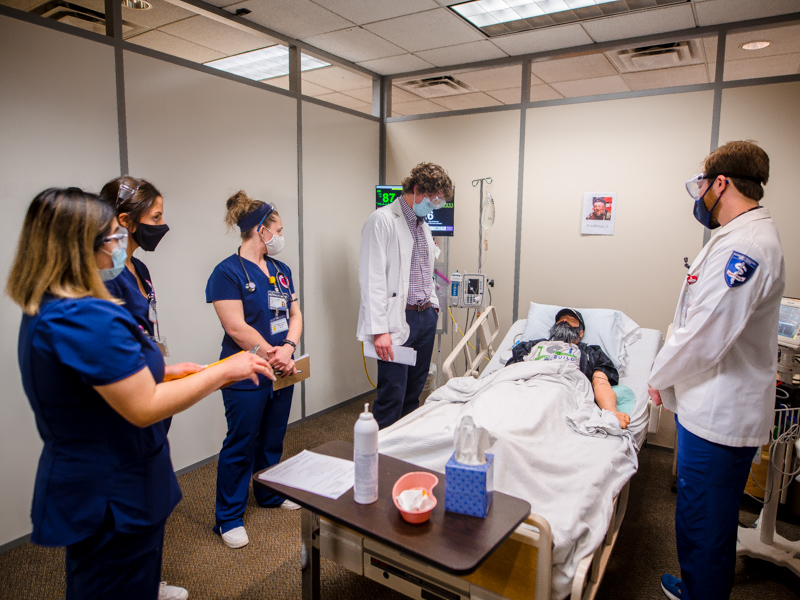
592, 359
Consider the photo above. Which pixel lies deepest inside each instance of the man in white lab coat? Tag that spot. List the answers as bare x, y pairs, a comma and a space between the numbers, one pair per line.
398, 301
716, 371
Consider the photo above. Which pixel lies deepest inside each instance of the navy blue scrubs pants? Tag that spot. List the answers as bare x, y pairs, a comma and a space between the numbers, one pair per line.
399, 386
257, 422
711, 481
122, 566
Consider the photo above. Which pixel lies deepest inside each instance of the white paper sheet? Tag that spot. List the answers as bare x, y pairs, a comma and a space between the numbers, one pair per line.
316, 473
402, 354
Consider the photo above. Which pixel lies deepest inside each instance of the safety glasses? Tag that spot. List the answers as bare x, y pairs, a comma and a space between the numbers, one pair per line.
437, 201
125, 193
695, 184
121, 237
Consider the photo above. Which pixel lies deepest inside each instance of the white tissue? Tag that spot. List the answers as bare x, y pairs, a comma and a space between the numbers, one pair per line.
414, 500
471, 442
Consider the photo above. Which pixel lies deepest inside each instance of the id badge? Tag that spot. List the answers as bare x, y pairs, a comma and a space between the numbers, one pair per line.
279, 324
277, 301
161, 342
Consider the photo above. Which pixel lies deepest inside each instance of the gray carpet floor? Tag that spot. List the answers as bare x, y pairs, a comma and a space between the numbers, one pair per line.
269, 567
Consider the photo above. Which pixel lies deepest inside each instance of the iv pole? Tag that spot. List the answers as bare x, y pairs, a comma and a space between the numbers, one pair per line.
475, 183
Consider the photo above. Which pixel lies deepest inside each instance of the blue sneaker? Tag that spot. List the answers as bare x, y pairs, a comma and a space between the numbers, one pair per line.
671, 586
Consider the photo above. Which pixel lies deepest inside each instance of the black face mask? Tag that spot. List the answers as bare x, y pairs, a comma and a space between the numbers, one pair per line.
148, 236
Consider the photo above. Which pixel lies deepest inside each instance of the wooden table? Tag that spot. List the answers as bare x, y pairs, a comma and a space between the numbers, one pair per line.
455, 543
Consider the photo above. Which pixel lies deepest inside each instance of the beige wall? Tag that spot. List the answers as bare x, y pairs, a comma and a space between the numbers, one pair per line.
770, 115
58, 121
199, 139
469, 147
641, 148
340, 171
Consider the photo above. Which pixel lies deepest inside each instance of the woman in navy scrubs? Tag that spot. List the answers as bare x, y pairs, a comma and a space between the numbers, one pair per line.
105, 483
254, 297
139, 207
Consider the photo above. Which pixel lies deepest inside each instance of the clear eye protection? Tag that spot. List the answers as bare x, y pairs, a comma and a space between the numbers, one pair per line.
437, 202
121, 237
695, 184
125, 193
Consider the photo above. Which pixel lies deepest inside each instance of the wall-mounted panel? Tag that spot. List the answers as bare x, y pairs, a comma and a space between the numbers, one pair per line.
642, 149
469, 147
58, 117
340, 171
200, 138
773, 125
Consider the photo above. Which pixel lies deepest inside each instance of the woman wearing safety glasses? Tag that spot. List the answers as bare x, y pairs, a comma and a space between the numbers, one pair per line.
105, 483
255, 300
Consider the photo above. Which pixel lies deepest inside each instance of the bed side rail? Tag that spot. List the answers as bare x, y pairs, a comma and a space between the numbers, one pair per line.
485, 330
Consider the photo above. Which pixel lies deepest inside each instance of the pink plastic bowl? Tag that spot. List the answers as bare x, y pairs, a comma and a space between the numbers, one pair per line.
415, 480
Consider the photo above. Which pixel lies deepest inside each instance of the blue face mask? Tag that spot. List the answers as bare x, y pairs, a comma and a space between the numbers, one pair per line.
119, 255
702, 214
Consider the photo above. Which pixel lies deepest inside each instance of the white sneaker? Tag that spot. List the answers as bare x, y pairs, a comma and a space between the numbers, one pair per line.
171, 592
289, 505
236, 538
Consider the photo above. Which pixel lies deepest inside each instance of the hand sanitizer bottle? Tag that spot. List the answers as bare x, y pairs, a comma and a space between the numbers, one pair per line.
365, 457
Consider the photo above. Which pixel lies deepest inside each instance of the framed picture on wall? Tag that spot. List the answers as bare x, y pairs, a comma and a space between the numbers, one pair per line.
599, 211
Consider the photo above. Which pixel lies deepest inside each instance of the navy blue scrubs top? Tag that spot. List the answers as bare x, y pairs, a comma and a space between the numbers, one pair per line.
93, 460
126, 288
227, 283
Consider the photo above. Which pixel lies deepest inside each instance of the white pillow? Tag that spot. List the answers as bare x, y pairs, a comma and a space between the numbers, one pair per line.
612, 330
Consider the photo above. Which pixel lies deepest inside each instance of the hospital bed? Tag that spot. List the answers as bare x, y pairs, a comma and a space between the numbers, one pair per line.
523, 567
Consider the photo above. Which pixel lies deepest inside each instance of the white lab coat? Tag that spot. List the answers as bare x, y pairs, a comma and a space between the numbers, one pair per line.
717, 369
384, 271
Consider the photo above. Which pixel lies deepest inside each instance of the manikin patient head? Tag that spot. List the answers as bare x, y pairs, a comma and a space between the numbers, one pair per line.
568, 326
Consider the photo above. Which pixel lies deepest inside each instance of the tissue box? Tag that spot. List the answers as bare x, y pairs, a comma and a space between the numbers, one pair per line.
468, 489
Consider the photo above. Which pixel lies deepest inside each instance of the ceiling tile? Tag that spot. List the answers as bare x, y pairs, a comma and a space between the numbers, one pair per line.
541, 40
575, 67
418, 107
369, 11
591, 87
498, 78
462, 53
347, 102
217, 36
162, 13
354, 44
220, 3
336, 78
542, 93
661, 78
783, 40
468, 101
769, 66
280, 82
163, 42
426, 30
508, 96
714, 12
363, 94
294, 18
646, 22
396, 64
401, 95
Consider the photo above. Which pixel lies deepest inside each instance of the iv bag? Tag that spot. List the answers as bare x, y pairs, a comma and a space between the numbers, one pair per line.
487, 210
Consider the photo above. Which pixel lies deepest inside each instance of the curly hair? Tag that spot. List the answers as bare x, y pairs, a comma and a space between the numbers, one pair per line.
430, 179
741, 158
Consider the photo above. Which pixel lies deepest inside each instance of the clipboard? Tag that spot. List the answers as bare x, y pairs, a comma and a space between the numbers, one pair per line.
303, 365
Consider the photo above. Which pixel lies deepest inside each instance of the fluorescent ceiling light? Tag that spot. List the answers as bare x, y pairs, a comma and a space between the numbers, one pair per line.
265, 63
754, 45
498, 17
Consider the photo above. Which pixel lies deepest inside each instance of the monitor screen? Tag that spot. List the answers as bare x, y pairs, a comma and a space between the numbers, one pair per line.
440, 220
789, 322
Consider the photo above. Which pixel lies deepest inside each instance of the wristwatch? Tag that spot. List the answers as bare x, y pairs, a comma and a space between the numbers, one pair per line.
290, 342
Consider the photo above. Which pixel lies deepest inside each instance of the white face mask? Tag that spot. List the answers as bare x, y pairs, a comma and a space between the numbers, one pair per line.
275, 244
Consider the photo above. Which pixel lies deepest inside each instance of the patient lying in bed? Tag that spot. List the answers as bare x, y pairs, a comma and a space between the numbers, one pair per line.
564, 344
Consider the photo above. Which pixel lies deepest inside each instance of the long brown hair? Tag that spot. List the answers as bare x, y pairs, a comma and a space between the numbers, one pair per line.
62, 230
137, 205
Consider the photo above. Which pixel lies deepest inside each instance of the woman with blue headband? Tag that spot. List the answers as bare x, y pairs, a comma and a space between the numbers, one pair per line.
254, 297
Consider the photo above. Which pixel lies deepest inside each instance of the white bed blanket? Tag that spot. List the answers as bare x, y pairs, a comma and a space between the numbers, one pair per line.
568, 478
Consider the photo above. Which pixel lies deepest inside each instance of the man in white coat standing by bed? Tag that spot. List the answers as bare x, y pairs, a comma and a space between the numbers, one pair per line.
716, 371
398, 300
